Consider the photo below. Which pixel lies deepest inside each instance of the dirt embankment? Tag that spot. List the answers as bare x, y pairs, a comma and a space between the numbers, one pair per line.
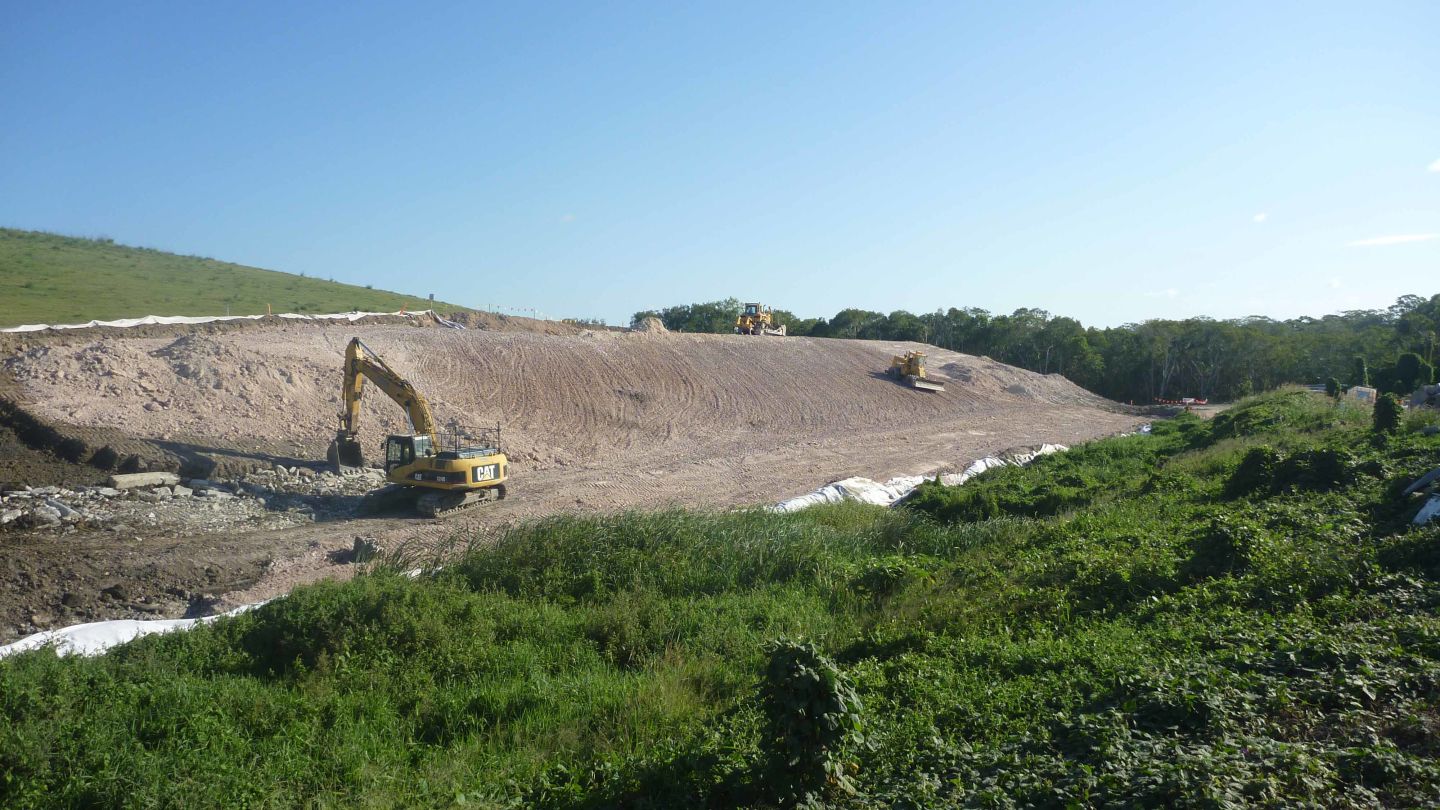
593, 420
563, 399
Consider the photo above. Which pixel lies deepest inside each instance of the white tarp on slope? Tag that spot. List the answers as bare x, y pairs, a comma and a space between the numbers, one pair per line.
97, 637
151, 320
1429, 511
888, 493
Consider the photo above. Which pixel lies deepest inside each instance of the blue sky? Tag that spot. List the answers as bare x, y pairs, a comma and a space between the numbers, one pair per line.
1113, 162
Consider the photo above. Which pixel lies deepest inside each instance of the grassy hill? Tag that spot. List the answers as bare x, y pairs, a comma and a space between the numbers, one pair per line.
1233, 613
47, 278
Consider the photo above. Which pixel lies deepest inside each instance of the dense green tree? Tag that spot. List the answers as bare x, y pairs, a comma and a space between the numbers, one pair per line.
1387, 414
715, 316
1411, 372
1360, 373
1158, 359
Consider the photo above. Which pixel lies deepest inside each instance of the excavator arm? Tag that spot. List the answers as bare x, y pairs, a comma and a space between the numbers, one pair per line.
361, 363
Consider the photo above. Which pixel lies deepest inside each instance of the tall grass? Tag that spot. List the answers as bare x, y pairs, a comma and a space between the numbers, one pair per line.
47, 278
1156, 639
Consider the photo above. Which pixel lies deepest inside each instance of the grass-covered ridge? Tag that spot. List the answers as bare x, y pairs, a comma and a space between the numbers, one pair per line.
1177, 628
47, 278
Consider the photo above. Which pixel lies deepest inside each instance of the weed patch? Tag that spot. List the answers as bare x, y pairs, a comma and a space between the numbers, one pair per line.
1235, 613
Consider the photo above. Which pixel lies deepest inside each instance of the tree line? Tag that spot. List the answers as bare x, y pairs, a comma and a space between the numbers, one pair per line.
1393, 349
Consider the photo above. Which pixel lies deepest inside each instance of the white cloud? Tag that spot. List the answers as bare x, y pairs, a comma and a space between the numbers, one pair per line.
1259, 219
1397, 239
1435, 167
1169, 292
1335, 284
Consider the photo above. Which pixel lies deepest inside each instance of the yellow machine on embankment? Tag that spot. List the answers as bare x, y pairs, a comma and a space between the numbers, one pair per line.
442, 473
909, 368
758, 320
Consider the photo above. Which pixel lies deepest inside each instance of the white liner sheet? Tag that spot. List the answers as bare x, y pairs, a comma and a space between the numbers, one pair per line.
153, 320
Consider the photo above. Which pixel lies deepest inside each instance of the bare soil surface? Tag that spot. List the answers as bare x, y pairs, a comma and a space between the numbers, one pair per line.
593, 421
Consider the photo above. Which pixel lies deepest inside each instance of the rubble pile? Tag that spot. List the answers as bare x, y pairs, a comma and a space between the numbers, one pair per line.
267, 499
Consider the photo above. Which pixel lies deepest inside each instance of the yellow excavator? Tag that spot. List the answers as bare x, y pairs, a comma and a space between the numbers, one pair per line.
909, 368
443, 473
758, 320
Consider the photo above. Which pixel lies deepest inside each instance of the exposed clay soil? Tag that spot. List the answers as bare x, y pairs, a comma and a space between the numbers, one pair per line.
593, 421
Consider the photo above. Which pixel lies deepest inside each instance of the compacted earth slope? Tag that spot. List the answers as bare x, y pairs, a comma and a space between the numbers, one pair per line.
592, 421
563, 400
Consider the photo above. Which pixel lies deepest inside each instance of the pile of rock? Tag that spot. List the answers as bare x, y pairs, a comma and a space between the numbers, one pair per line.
273, 498
44, 507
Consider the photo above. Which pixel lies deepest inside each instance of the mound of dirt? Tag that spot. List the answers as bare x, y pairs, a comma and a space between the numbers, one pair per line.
652, 326
563, 399
492, 322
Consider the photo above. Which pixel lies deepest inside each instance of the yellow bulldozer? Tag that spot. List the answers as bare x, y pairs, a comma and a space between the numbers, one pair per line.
440, 472
758, 320
909, 368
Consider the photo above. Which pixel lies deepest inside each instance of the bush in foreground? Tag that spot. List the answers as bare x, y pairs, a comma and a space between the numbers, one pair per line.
1153, 636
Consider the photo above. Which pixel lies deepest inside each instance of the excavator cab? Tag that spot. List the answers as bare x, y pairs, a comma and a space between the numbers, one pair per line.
402, 450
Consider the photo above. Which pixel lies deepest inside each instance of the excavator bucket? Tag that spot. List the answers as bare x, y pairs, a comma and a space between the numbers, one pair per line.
345, 453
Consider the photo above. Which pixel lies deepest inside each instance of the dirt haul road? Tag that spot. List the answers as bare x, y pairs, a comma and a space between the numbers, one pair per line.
594, 421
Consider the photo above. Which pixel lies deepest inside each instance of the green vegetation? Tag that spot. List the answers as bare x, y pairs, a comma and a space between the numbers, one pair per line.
1387, 414
1157, 359
1360, 375
45, 278
1217, 614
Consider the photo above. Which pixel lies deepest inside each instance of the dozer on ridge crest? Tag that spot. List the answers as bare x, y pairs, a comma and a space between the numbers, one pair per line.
758, 319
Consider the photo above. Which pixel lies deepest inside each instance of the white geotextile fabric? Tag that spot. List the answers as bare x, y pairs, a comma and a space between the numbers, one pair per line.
1429, 511
151, 320
896, 489
95, 638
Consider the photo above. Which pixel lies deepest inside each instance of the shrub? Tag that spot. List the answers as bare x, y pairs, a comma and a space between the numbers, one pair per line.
1255, 472
1387, 414
812, 713
1332, 388
1411, 372
1359, 374
1315, 470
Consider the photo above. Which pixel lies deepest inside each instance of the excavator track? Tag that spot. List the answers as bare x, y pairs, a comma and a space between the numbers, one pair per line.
443, 504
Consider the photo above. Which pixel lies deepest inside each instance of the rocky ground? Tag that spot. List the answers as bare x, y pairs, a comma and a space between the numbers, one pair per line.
268, 499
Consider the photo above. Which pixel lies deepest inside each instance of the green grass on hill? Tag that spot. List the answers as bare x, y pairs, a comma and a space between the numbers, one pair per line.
46, 278
1148, 621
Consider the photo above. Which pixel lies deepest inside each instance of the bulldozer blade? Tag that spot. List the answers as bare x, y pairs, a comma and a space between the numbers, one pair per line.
924, 384
346, 455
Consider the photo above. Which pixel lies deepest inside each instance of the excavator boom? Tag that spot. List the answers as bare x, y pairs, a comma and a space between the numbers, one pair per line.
361, 363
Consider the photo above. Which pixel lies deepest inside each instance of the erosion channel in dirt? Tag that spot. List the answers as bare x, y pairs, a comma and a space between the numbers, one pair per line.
592, 421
